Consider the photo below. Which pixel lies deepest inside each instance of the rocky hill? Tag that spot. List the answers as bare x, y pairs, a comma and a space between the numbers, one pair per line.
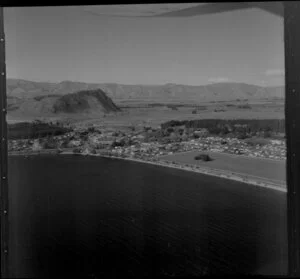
86, 101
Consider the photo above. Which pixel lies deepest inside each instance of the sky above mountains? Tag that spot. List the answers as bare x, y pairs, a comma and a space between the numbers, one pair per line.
69, 43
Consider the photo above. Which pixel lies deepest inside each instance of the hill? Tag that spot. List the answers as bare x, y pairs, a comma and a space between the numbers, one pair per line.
22, 89
84, 101
87, 101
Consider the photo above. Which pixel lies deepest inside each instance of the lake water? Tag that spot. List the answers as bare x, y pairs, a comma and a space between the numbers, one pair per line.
74, 215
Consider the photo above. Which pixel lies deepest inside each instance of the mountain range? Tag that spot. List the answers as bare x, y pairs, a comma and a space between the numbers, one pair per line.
42, 97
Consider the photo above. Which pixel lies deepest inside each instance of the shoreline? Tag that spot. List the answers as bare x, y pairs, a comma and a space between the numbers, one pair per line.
259, 182
230, 154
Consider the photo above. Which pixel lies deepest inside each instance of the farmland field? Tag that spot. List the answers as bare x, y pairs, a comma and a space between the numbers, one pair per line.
269, 170
135, 115
75, 215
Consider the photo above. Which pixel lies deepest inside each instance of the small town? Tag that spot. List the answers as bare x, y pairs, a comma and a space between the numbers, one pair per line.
149, 143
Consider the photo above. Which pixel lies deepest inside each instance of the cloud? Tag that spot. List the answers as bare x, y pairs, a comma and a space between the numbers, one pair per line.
218, 79
274, 73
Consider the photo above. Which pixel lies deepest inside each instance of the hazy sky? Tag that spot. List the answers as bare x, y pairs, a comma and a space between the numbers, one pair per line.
68, 43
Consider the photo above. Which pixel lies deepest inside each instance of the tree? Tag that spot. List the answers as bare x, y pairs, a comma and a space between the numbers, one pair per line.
267, 134
203, 157
242, 135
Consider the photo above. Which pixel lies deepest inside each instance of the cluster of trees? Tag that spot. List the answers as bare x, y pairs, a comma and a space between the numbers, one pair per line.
219, 110
245, 106
203, 157
198, 108
36, 129
50, 143
242, 128
172, 107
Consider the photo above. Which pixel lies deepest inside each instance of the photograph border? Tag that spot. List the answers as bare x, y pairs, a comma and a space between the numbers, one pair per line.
292, 122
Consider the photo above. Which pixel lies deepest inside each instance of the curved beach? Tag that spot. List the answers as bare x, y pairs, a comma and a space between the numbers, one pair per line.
258, 181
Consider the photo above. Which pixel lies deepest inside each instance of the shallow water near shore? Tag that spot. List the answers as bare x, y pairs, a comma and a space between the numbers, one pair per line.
76, 215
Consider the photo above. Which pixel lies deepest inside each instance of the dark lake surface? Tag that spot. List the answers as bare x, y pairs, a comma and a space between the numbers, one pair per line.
74, 215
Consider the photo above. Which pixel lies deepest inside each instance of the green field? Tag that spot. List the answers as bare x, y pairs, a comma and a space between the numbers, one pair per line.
256, 168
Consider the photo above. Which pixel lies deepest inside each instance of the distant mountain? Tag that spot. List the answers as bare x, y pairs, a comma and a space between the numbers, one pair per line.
22, 89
